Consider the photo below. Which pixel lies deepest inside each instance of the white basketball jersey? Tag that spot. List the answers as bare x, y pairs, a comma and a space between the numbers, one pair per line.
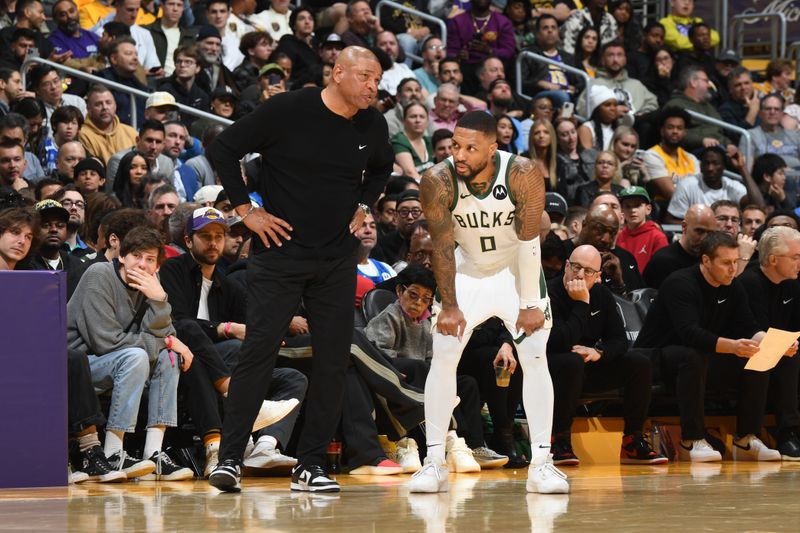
484, 224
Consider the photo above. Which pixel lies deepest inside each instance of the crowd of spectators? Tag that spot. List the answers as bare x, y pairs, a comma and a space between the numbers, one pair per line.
115, 190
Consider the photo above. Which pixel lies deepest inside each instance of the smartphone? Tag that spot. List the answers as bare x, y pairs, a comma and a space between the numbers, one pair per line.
274, 78
567, 110
639, 154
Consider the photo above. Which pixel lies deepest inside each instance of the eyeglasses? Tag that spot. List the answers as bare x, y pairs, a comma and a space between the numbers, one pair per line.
724, 218
80, 204
188, 62
417, 297
577, 267
436, 47
415, 212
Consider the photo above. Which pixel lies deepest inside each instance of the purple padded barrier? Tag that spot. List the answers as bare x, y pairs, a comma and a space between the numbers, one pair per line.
33, 379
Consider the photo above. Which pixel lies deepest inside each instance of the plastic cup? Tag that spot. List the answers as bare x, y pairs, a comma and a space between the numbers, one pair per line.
502, 376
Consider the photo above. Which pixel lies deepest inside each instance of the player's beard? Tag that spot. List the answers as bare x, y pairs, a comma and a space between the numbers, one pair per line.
473, 172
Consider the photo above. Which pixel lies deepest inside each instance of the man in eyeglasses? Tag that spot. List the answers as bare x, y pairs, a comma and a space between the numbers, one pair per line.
587, 350
619, 271
407, 211
72, 200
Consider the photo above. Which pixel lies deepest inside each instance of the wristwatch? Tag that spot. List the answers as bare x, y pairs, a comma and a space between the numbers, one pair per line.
365, 208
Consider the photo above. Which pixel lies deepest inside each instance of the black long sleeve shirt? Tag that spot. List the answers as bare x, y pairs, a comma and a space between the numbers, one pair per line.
596, 324
182, 279
775, 305
688, 311
666, 261
317, 167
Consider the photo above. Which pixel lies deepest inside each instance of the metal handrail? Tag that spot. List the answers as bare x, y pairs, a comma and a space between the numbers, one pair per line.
748, 146
117, 87
416, 13
778, 41
546, 60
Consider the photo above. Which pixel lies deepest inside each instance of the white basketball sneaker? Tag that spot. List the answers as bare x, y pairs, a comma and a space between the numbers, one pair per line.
545, 478
432, 478
697, 451
751, 448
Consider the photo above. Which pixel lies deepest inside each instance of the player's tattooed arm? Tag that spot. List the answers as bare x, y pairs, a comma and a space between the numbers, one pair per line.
436, 195
527, 189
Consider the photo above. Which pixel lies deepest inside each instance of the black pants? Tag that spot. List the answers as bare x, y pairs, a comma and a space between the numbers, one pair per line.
467, 414
83, 408
502, 401
571, 375
202, 399
276, 284
688, 368
783, 390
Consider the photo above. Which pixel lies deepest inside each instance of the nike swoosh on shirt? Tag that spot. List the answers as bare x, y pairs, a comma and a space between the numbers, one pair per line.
722, 301
631, 266
361, 147
462, 196
594, 313
787, 301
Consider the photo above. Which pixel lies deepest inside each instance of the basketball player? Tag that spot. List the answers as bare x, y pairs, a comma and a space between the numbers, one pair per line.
483, 208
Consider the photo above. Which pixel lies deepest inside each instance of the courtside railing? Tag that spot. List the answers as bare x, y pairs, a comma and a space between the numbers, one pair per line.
417, 13
738, 27
547, 61
114, 86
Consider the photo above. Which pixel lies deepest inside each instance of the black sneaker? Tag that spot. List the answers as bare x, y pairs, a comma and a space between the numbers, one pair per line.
131, 465
789, 446
97, 467
562, 452
167, 470
312, 478
226, 476
635, 450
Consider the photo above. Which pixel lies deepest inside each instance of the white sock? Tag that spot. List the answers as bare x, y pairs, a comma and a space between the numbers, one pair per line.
153, 441
113, 442
537, 391
268, 441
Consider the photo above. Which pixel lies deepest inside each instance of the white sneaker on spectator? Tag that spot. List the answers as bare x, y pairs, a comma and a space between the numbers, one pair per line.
488, 458
459, 455
545, 478
78, 477
273, 411
212, 458
751, 448
407, 455
431, 478
265, 456
697, 451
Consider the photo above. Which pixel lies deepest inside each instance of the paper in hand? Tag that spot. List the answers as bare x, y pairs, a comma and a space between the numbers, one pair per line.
771, 349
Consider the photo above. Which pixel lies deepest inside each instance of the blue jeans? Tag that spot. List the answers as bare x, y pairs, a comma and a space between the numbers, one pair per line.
125, 373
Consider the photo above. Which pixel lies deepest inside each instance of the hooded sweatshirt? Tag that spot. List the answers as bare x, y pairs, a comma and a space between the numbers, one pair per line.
103, 145
642, 242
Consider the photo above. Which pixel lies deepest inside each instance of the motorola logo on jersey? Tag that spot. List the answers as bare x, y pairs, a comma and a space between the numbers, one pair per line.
500, 192
483, 219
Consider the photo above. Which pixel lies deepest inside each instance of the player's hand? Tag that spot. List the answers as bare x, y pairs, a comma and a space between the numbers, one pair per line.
529, 320
792, 350
576, 289
450, 321
746, 348
357, 220
589, 354
505, 357
268, 227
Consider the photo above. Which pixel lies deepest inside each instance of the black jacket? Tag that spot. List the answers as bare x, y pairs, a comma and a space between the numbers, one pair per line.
195, 97
596, 324
182, 279
72, 265
302, 55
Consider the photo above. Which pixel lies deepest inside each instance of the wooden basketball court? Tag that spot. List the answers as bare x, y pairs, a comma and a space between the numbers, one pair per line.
678, 497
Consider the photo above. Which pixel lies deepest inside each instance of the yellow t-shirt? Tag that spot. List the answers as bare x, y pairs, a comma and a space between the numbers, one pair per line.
93, 12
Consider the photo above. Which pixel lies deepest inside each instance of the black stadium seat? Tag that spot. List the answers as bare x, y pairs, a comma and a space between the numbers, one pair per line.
643, 299
631, 318
376, 301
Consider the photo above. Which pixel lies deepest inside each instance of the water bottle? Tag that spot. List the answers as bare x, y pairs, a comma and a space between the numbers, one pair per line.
655, 439
335, 456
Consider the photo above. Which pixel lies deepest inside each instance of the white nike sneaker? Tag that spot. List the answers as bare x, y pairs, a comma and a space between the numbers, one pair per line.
545, 478
459, 456
432, 478
697, 451
407, 455
751, 448
212, 458
273, 411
